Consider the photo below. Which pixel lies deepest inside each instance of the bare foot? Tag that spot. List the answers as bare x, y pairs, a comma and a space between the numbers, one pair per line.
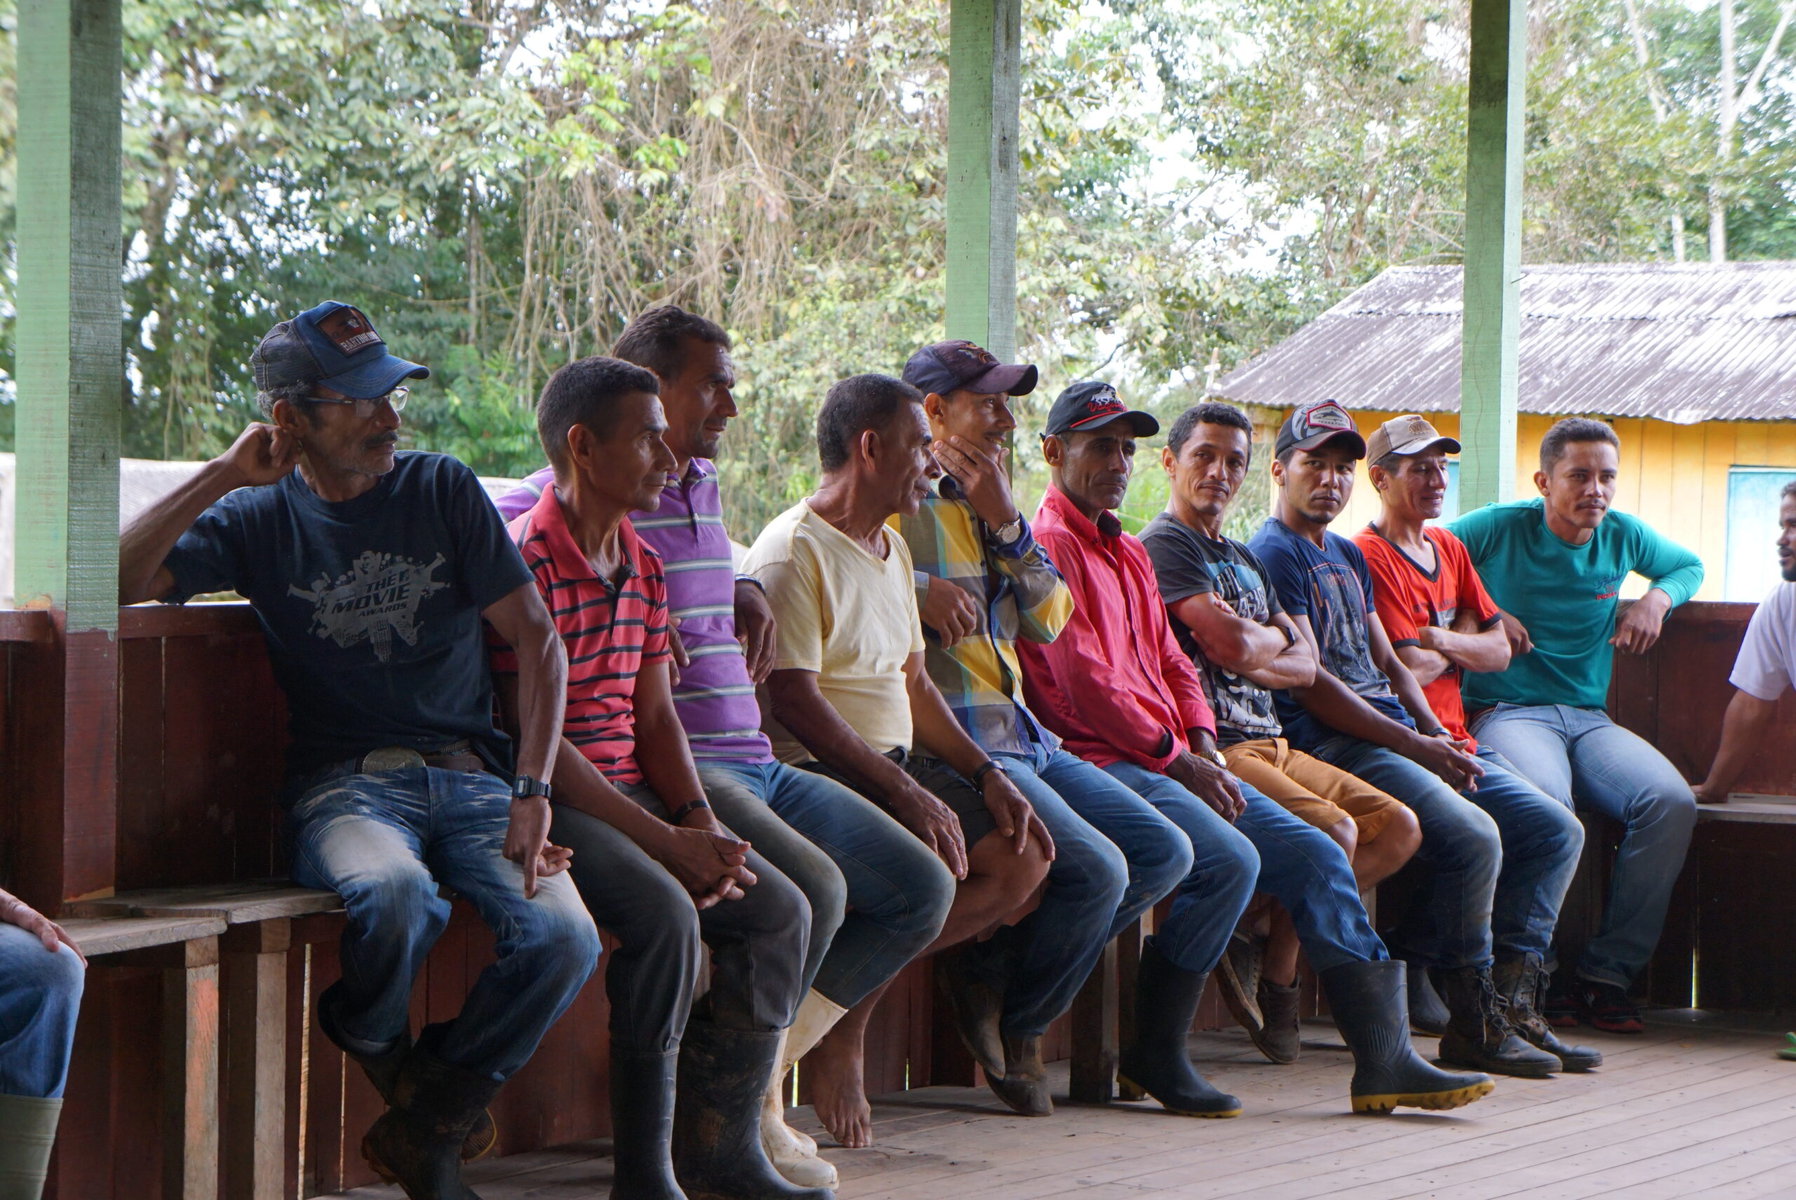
838, 1090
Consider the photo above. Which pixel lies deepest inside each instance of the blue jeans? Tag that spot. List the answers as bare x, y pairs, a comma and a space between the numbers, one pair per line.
1114, 856
897, 892
385, 843
40, 993
1502, 855
1266, 849
1578, 755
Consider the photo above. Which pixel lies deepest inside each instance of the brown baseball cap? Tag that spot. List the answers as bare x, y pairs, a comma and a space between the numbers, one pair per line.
1408, 434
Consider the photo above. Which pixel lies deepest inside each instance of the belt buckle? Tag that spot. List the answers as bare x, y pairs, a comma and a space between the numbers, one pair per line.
390, 758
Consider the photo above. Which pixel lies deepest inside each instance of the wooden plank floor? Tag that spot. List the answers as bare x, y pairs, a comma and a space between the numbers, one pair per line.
1688, 1109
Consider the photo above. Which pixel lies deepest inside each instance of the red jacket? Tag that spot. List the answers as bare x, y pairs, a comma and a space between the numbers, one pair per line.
1114, 684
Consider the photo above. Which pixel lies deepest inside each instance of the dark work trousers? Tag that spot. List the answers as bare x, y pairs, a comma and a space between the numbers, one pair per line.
757, 943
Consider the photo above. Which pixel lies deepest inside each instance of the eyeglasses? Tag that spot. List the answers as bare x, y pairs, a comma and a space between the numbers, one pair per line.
367, 407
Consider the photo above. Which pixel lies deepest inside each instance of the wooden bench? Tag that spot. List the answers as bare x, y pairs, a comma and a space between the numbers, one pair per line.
245, 929
186, 950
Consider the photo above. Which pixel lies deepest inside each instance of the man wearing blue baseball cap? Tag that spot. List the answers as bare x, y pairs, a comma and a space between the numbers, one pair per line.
371, 571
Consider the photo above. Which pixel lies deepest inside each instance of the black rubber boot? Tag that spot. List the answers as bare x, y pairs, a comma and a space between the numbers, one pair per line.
1522, 981
1369, 1001
382, 1071
642, 1117
1479, 1035
418, 1141
723, 1076
1166, 999
1427, 1011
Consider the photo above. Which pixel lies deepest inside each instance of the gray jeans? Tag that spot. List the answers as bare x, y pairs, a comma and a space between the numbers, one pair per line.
757, 943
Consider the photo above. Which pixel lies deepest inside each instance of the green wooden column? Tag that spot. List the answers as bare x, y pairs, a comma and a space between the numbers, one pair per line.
1493, 250
984, 83
70, 376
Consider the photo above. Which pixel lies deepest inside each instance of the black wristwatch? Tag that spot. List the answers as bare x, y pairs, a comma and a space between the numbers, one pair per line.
985, 768
524, 787
1290, 632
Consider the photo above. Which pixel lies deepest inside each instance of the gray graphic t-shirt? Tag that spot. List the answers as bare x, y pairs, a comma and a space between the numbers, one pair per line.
371, 607
1187, 563
1331, 586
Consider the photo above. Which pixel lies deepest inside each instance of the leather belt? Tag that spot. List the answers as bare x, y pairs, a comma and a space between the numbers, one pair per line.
455, 757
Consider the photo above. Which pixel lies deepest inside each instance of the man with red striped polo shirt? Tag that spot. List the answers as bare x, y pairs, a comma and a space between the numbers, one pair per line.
878, 896
659, 870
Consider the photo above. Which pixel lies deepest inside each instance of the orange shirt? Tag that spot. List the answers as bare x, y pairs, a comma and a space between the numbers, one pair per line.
1407, 598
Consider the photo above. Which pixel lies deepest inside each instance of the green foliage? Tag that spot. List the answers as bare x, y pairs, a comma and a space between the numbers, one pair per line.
503, 186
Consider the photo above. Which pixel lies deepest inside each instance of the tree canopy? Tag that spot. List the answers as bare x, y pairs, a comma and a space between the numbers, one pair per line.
502, 185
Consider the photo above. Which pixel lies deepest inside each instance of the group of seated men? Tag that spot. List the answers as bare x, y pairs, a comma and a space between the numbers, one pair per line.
916, 721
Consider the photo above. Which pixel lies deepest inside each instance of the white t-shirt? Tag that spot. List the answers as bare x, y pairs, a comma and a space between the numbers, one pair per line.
844, 614
1767, 661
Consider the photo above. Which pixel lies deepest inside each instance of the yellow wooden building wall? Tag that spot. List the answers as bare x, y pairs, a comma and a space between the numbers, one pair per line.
1673, 476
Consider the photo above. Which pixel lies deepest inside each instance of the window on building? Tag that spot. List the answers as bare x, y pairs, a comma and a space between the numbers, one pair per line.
1752, 504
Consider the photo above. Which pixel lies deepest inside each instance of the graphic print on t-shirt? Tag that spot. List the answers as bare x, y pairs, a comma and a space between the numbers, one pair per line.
376, 598
1341, 632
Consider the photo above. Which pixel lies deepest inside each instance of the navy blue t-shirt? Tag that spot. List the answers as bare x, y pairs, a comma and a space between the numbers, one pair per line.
1332, 586
371, 606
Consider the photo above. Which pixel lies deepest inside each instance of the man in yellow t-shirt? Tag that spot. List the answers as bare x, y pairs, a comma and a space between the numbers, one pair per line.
849, 696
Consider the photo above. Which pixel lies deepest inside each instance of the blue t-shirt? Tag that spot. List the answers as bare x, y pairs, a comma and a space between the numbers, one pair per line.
371, 607
1332, 586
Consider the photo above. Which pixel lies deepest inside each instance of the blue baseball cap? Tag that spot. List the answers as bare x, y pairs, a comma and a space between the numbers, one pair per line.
333, 346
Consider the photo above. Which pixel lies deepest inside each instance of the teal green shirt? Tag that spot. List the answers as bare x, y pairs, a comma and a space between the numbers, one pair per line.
1565, 595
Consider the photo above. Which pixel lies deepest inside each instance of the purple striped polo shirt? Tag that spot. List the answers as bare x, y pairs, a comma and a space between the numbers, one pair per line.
715, 699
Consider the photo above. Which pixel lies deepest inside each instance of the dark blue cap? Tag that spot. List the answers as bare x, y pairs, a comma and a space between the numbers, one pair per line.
333, 346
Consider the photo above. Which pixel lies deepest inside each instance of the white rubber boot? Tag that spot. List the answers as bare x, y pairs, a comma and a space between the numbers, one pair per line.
794, 1154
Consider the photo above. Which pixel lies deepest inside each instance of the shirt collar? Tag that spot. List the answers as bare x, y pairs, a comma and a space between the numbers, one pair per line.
550, 519
1105, 528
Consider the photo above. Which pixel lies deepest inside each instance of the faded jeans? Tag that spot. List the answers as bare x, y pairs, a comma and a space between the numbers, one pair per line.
1502, 855
386, 842
1266, 849
1581, 758
40, 994
894, 889
1115, 856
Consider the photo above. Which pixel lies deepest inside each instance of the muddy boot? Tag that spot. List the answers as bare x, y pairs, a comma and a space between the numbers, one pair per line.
27, 1131
1166, 999
1427, 1011
1479, 1035
1280, 1038
717, 1116
417, 1143
382, 1071
1522, 981
642, 1115
1369, 1005
1024, 1086
794, 1153
974, 1005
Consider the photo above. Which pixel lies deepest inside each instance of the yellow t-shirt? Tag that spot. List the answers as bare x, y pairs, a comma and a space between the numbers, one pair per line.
844, 614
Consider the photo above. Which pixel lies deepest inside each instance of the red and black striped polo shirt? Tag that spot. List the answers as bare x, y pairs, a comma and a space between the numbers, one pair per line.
612, 630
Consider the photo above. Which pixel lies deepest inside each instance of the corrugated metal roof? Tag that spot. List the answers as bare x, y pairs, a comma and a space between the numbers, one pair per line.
1682, 342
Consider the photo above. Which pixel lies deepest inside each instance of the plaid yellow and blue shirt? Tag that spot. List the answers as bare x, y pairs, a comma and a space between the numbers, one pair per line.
1021, 595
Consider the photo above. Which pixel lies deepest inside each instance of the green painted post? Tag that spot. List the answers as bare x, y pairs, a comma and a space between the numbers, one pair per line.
984, 89
70, 348
70, 378
1493, 250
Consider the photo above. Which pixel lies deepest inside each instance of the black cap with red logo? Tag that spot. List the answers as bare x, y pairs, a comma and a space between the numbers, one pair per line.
1092, 405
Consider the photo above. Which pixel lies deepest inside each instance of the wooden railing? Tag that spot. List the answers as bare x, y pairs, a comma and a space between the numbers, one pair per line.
200, 760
